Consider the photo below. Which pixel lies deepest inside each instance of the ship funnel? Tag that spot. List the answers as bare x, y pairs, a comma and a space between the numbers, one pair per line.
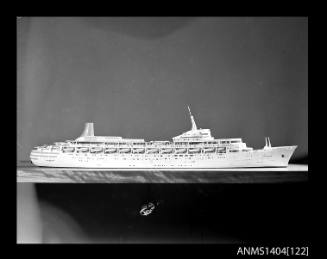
88, 130
192, 119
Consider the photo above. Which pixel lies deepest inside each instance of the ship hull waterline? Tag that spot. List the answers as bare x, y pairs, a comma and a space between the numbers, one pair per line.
270, 157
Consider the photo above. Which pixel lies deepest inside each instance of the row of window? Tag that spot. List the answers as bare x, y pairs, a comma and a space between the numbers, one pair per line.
158, 157
156, 144
138, 151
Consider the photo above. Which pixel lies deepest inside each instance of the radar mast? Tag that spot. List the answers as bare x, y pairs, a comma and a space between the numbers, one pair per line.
194, 127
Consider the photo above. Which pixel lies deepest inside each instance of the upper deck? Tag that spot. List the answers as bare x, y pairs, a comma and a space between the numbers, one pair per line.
192, 138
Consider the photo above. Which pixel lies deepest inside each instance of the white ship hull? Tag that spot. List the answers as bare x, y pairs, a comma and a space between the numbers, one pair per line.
269, 157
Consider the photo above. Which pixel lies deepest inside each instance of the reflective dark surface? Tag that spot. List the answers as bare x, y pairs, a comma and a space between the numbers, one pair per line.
187, 213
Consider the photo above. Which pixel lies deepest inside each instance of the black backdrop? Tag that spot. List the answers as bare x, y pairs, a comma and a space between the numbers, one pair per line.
200, 213
134, 77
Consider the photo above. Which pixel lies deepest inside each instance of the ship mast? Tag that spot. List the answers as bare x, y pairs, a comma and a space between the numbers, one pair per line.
192, 119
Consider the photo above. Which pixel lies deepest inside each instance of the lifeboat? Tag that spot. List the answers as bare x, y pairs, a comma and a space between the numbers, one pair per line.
96, 150
221, 149
82, 149
167, 150
194, 150
68, 149
124, 150
209, 150
152, 150
110, 150
138, 150
180, 150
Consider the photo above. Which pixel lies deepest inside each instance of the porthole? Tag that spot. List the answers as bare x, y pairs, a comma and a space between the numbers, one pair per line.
282, 155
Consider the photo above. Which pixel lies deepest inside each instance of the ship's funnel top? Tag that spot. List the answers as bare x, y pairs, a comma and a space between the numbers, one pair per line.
192, 119
88, 130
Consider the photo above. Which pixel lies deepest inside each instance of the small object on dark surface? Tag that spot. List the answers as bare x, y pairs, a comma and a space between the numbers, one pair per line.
148, 208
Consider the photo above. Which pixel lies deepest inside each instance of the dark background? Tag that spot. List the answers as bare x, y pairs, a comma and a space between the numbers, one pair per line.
187, 213
243, 77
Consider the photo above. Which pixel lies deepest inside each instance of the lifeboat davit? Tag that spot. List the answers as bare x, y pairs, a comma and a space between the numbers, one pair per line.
152, 150
167, 150
96, 150
221, 149
194, 150
110, 150
124, 150
209, 150
68, 149
180, 150
138, 150
82, 149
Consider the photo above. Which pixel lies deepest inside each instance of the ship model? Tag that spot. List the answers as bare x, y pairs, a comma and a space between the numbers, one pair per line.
193, 149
